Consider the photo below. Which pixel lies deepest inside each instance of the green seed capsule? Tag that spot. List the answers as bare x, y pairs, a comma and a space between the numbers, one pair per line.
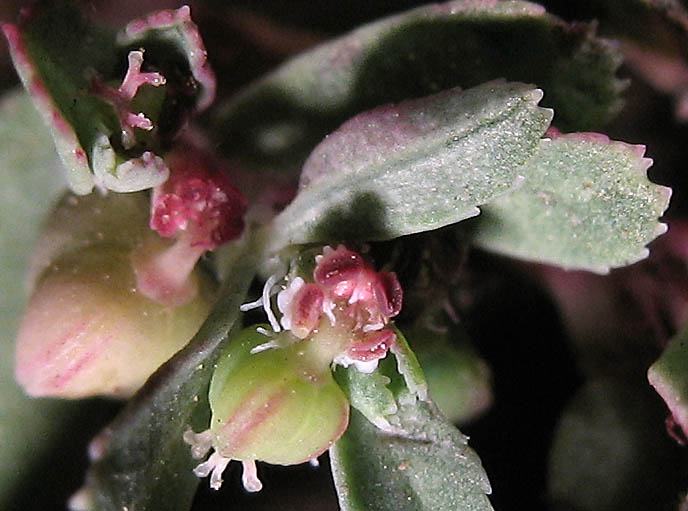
277, 405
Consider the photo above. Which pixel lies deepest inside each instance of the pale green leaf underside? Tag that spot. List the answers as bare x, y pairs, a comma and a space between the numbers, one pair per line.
30, 181
415, 166
586, 204
430, 468
368, 393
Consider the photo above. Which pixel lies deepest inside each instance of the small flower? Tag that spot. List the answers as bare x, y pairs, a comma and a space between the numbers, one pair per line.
276, 401
351, 296
198, 200
199, 209
122, 97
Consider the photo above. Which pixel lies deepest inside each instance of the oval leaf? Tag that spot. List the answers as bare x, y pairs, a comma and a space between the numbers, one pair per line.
586, 204
429, 467
277, 120
415, 166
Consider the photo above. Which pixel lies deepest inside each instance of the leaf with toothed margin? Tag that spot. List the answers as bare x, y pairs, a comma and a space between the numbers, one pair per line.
586, 204
69, 65
140, 461
415, 166
399, 452
368, 393
669, 376
408, 366
427, 466
278, 119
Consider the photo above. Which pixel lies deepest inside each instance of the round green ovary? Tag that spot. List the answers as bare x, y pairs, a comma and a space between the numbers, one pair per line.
270, 406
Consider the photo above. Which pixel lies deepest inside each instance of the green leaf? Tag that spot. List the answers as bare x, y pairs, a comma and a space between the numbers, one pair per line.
141, 461
280, 118
669, 376
458, 379
28, 186
52, 50
408, 367
368, 393
415, 166
611, 431
586, 204
399, 452
429, 467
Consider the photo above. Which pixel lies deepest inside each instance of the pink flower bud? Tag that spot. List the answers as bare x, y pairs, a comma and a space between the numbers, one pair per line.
198, 201
200, 210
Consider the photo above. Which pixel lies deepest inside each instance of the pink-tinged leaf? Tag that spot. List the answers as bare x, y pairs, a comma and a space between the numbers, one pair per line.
415, 166
586, 203
69, 149
175, 27
631, 310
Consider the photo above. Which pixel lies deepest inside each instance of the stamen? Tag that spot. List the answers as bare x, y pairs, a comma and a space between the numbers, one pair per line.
265, 346
244, 307
216, 477
204, 469
250, 476
269, 284
200, 443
